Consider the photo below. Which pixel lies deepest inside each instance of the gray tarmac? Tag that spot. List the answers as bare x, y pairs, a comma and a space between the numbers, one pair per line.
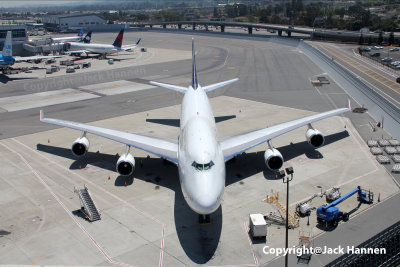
145, 219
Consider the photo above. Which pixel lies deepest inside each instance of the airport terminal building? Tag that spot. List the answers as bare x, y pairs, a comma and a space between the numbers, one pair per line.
72, 21
19, 37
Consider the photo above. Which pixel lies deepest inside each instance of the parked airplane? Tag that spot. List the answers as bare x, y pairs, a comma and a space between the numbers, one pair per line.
7, 59
199, 154
102, 49
79, 37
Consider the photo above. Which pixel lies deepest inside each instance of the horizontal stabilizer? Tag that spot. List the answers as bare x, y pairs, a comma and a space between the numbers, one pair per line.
177, 88
214, 86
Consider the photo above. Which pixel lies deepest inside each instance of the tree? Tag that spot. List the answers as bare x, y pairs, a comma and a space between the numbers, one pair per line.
215, 13
361, 39
380, 38
391, 38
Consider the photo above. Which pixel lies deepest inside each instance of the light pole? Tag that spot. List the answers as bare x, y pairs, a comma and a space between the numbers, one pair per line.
289, 171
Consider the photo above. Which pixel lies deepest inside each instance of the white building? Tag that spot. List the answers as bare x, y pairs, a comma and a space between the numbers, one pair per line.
72, 21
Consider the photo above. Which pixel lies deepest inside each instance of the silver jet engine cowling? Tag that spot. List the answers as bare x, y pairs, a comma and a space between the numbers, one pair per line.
80, 146
273, 159
126, 165
315, 138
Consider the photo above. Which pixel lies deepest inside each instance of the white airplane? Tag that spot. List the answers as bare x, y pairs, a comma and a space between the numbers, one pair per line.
103, 49
198, 152
7, 59
79, 37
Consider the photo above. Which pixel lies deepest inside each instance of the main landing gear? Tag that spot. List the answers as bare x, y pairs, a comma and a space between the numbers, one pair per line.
204, 218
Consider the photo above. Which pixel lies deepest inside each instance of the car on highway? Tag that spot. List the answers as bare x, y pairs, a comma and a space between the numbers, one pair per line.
395, 63
387, 59
394, 49
375, 54
366, 49
376, 47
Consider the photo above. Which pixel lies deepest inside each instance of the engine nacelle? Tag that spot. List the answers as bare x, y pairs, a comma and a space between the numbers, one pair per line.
315, 138
80, 146
126, 164
273, 159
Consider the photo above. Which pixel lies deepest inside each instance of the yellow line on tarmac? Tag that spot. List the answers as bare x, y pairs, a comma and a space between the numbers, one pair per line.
33, 263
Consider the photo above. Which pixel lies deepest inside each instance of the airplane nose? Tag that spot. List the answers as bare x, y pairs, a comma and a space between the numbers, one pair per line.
206, 204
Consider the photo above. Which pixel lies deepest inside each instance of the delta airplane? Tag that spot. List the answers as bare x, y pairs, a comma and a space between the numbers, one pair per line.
7, 59
198, 152
79, 37
102, 49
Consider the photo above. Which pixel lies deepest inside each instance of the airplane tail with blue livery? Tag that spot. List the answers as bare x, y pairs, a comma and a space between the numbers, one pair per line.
7, 48
195, 85
87, 38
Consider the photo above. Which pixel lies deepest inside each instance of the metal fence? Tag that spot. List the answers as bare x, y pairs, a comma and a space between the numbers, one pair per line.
388, 239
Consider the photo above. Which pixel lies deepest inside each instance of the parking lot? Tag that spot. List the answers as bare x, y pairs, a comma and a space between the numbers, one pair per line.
388, 56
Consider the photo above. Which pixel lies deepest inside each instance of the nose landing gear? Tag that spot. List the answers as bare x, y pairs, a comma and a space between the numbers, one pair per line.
203, 219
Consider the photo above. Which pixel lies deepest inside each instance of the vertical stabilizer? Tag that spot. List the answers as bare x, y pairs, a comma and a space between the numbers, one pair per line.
87, 38
118, 40
7, 48
80, 34
194, 71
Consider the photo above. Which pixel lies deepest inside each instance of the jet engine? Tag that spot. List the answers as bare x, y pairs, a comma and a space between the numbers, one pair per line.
80, 146
273, 159
126, 164
315, 137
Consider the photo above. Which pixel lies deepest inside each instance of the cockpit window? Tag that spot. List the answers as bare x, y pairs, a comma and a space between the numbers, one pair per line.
201, 167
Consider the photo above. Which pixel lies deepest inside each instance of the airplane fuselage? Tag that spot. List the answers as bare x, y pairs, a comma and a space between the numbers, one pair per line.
6, 61
96, 48
201, 162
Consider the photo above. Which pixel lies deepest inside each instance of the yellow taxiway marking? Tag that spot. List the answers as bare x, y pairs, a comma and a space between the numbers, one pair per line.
366, 70
231, 68
33, 263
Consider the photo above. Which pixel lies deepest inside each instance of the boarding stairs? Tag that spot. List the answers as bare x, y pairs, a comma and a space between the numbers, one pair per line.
88, 206
274, 199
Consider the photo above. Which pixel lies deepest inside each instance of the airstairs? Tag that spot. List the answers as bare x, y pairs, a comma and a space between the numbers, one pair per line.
274, 199
88, 206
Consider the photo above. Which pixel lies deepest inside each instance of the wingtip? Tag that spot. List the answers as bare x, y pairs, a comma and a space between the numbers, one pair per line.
348, 104
41, 115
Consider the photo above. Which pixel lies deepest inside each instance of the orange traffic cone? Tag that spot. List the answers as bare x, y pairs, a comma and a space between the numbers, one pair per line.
109, 178
125, 184
48, 140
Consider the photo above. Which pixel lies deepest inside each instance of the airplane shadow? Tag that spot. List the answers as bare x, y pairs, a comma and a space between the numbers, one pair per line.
5, 79
198, 241
249, 164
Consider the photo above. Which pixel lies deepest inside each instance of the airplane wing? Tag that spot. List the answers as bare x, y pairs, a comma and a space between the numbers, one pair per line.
232, 146
130, 47
20, 59
163, 148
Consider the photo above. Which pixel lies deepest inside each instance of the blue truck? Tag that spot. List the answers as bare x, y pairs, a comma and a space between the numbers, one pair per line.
331, 215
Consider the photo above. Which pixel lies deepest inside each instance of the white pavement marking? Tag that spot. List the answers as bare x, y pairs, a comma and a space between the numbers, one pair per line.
97, 245
108, 193
15, 103
251, 244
